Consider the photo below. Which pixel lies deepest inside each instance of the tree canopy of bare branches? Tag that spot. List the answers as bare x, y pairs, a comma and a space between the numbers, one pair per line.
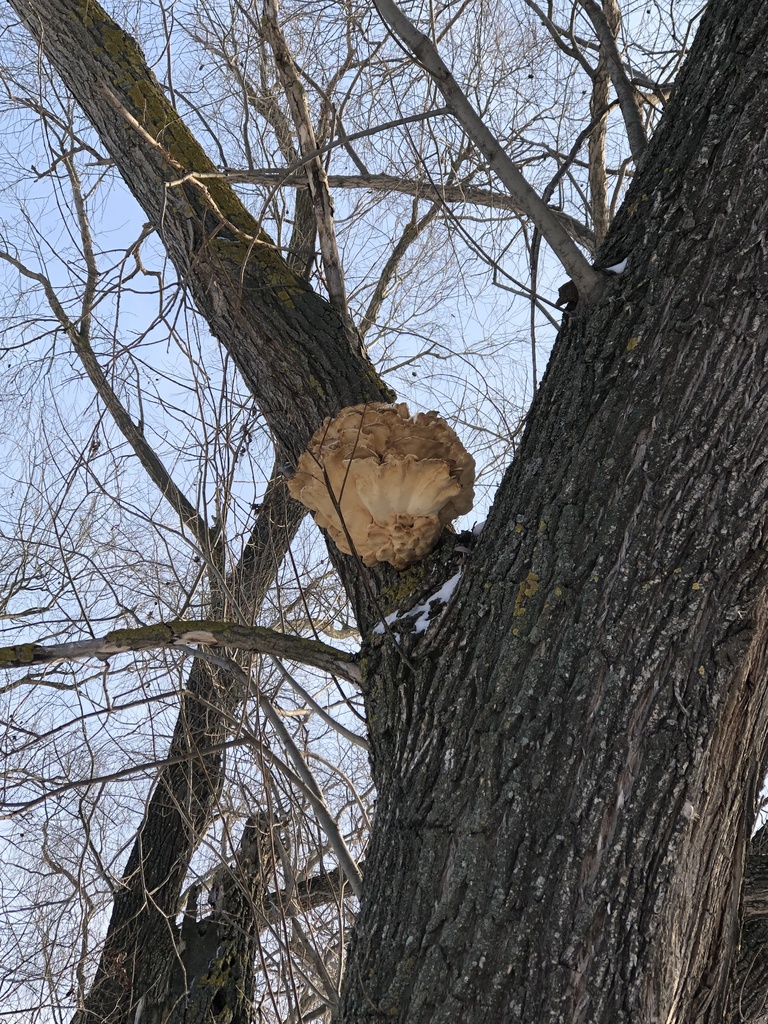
253, 775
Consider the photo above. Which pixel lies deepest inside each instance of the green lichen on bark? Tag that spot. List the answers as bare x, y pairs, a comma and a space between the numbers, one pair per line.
159, 632
20, 654
407, 584
527, 588
137, 88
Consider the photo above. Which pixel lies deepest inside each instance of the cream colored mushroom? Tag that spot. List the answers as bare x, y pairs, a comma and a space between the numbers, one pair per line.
384, 483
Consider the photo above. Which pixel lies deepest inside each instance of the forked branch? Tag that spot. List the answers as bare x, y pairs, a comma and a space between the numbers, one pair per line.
586, 279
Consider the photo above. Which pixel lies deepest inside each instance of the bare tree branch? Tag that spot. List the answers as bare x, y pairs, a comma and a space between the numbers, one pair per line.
315, 172
310, 785
585, 278
352, 737
628, 101
171, 634
557, 37
133, 434
445, 192
598, 109
300, 251
411, 232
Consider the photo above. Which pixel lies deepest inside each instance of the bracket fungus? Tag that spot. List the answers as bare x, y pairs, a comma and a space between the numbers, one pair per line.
384, 483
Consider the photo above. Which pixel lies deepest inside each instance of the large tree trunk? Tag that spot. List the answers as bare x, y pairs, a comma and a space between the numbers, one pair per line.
566, 782
567, 761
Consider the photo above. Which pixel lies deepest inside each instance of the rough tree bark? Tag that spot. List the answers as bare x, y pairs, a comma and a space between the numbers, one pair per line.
567, 781
567, 760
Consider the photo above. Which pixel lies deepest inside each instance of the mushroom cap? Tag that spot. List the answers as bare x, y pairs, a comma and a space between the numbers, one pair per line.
384, 483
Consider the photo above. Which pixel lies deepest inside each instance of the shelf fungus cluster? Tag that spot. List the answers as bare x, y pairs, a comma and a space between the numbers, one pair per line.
384, 483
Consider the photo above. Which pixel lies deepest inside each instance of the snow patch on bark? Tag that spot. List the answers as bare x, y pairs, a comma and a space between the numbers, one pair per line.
423, 612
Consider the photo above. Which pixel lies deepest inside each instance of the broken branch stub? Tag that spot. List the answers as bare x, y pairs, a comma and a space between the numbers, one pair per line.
384, 483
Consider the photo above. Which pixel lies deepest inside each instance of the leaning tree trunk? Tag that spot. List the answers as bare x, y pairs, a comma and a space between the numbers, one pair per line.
567, 761
301, 359
299, 355
141, 957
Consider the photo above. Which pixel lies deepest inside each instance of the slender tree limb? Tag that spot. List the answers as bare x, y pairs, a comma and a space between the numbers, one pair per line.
315, 171
473, 195
547, 194
201, 756
628, 101
351, 737
410, 233
587, 280
297, 353
260, 98
557, 37
133, 434
598, 110
311, 787
315, 891
170, 634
